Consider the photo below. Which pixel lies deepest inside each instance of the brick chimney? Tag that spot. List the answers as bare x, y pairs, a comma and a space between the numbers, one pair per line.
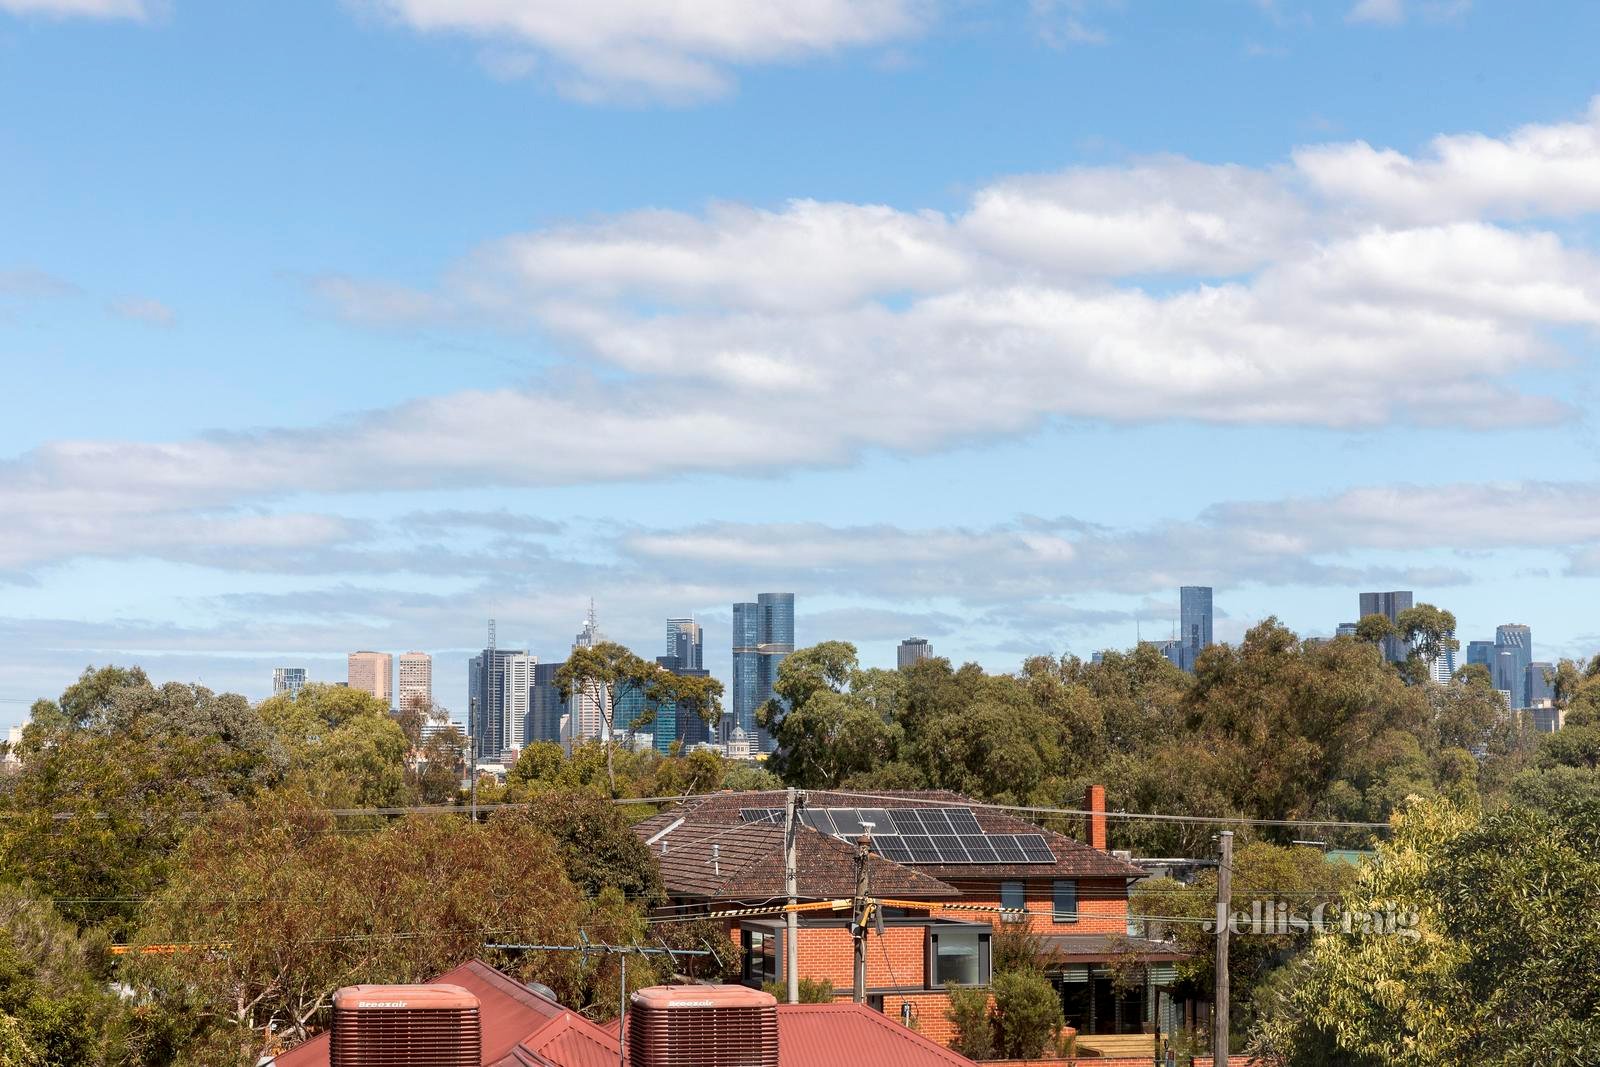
1094, 800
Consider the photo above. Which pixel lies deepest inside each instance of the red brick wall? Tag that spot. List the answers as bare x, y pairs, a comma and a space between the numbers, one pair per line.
897, 959
929, 1014
1102, 906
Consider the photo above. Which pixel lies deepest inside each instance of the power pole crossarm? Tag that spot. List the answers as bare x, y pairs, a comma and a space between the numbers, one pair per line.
1224, 912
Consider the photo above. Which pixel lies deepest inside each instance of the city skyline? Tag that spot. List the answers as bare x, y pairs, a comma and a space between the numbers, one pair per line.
461, 323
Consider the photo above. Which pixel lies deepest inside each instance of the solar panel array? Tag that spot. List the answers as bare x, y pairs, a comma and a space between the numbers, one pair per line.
918, 835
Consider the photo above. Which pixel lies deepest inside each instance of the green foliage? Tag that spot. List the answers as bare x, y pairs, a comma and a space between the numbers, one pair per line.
825, 731
810, 990
1298, 876
54, 1009
969, 1015
1503, 969
1027, 1014
345, 748
108, 779
1015, 947
608, 672
598, 850
297, 910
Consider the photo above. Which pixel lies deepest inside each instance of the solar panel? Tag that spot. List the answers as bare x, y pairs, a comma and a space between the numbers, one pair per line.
936, 822
819, 819
1007, 848
963, 822
1034, 847
878, 818
921, 846
892, 847
980, 848
906, 821
847, 822
950, 850
761, 814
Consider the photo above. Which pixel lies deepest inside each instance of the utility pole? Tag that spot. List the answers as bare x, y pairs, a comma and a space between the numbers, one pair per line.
791, 886
1219, 1027
860, 914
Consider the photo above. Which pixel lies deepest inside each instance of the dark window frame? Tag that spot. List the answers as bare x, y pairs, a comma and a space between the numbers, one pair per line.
1057, 913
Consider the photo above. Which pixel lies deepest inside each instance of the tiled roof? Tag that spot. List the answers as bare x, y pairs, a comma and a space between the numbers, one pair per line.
849, 1035
511, 1016
735, 861
1074, 859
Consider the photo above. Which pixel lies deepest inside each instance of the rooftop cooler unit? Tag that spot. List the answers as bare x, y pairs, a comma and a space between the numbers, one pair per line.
405, 1026
702, 1026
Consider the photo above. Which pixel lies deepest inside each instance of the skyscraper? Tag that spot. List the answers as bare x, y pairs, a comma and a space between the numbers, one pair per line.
374, 673
1540, 691
546, 708
1389, 605
1513, 647
487, 699
686, 644
588, 710
913, 650
416, 680
1481, 652
1443, 666
763, 634
1194, 621
516, 696
288, 680
685, 656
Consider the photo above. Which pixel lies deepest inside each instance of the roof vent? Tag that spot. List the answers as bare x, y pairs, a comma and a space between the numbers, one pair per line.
405, 1026
703, 1026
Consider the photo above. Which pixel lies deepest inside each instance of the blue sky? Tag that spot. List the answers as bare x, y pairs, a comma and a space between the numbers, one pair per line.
345, 325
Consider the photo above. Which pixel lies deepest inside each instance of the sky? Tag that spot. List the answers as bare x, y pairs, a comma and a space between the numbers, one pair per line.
344, 325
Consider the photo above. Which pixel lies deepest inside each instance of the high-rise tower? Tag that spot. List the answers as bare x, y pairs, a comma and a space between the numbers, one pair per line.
763, 635
1389, 605
1194, 622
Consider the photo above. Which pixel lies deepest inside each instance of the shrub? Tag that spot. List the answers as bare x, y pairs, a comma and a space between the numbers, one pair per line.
969, 1014
1027, 1014
812, 991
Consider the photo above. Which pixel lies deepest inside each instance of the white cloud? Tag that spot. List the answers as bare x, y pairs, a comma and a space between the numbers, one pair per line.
1168, 215
1538, 170
817, 332
610, 48
103, 9
28, 282
810, 255
141, 309
1385, 12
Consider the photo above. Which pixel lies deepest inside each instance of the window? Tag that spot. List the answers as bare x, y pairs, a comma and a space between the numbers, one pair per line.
760, 958
1012, 898
960, 955
1064, 901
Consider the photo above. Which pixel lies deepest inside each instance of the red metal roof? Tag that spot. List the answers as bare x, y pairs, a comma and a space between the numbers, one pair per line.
522, 1029
510, 1013
849, 1035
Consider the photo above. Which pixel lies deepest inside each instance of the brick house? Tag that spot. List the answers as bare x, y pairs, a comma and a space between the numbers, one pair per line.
955, 873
